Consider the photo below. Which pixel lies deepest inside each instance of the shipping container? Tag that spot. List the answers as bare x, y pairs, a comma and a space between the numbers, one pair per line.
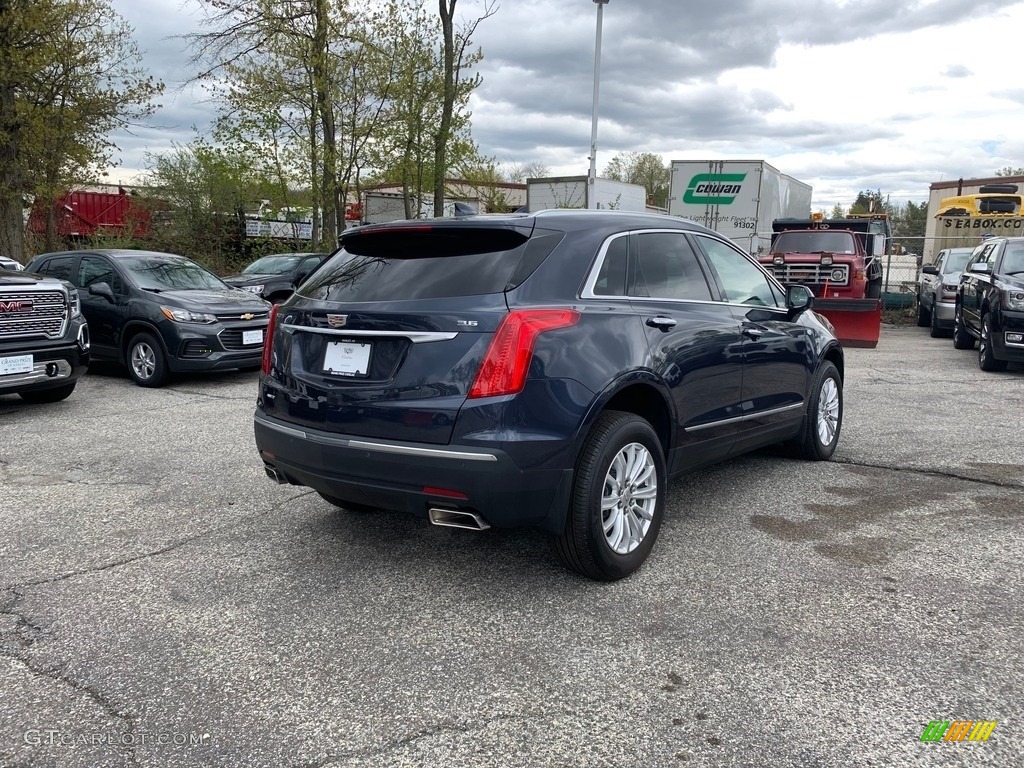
571, 192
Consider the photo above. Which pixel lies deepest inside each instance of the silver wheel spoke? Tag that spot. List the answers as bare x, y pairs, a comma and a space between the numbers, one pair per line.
629, 498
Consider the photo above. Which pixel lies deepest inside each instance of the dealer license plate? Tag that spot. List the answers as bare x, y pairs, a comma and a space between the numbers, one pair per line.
15, 364
252, 337
347, 358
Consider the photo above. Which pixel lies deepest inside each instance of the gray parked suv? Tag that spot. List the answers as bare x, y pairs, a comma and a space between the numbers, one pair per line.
936, 290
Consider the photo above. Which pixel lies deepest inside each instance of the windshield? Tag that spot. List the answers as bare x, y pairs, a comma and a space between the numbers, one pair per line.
818, 241
1013, 260
169, 273
275, 264
957, 260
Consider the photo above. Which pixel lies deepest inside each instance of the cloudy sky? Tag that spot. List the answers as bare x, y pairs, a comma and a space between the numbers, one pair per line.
842, 94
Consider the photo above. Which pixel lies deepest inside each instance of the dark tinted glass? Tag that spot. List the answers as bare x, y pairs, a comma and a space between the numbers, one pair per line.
611, 280
59, 267
276, 264
667, 268
93, 269
399, 265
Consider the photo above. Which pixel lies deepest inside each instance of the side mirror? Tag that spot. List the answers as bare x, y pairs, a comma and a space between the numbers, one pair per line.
798, 299
930, 269
980, 266
102, 289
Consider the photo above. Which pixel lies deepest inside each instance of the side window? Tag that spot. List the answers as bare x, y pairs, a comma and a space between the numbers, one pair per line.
611, 280
990, 257
938, 261
59, 267
96, 270
667, 268
307, 265
743, 282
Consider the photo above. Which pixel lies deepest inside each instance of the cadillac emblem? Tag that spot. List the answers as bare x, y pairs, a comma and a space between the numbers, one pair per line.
337, 321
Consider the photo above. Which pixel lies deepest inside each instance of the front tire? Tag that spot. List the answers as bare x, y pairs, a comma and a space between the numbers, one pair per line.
51, 395
824, 418
618, 499
934, 330
986, 358
924, 315
961, 338
147, 363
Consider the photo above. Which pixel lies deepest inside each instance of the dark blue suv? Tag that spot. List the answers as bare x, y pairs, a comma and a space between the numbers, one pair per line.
551, 370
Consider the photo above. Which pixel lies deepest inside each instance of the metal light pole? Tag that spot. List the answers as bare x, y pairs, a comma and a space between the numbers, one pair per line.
592, 176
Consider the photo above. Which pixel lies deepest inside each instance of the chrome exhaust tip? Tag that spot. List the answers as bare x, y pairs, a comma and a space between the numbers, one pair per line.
457, 518
275, 475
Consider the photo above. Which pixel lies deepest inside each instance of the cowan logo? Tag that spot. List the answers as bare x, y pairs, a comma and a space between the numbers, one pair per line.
714, 188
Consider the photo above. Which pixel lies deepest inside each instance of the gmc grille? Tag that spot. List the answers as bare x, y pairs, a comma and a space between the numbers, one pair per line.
45, 319
812, 274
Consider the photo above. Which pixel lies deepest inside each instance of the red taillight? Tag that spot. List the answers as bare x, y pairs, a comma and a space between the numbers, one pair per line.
268, 340
503, 371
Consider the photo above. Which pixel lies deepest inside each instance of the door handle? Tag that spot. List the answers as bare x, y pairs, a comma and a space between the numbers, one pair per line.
752, 333
664, 323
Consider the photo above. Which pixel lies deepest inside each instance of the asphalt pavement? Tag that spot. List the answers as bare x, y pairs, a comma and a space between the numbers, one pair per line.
162, 603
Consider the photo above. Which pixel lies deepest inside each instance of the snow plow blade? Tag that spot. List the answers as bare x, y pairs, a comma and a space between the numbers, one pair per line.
857, 321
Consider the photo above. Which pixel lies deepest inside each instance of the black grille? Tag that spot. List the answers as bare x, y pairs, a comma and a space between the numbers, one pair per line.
232, 339
46, 318
194, 348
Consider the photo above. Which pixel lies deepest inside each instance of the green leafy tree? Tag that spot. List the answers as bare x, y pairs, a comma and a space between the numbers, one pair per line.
70, 74
838, 212
645, 169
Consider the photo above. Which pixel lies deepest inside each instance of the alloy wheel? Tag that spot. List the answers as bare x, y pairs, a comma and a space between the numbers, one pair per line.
629, 498
143, 360
828, 411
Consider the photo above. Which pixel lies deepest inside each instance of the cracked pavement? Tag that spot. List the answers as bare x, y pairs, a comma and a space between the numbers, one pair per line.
163, 604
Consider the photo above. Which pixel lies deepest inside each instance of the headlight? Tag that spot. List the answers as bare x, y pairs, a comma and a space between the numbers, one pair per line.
838, 275
257, 289
826, 260
1015, 300
184, 316
76, 305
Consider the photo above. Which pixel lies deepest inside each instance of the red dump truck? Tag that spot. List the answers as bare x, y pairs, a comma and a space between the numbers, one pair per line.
83, 214
840, 260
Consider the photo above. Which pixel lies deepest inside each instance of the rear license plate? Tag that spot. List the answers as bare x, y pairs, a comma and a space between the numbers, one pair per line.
252, 337
15, 364
347, 358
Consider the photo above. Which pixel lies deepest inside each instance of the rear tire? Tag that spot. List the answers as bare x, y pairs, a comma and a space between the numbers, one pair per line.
874, 290
824, 418
986, 358
618, 499
961, 338
51, 395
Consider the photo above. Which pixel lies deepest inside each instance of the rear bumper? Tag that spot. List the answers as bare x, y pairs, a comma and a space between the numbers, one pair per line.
415, 477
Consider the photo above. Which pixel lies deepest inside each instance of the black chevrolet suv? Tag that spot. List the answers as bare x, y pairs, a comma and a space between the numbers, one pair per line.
159, 313
44, 341
276, 276
990, 303
552, 370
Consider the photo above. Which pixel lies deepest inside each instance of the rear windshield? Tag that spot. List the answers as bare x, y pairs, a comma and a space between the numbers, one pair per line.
407, 264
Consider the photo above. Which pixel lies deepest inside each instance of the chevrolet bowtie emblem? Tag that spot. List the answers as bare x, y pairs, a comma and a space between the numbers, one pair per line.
248, 316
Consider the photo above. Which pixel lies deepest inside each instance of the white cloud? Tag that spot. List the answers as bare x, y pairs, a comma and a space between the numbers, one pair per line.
843, 95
